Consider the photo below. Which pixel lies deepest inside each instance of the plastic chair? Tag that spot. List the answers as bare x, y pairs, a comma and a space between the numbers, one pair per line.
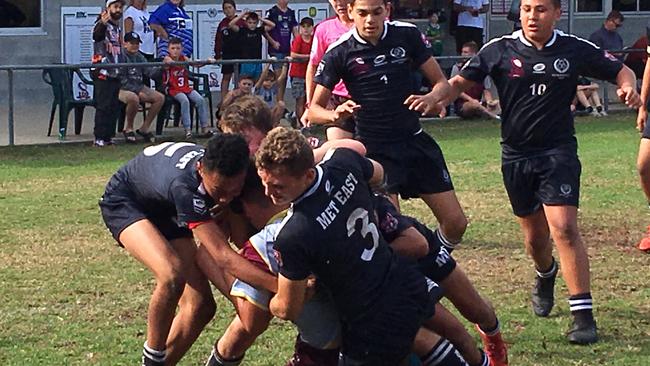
61, 82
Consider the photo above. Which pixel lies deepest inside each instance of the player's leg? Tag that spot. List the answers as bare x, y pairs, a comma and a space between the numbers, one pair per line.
146, 244
563, 223
434, 350
196, 305
450, 216
643, 166
156, 100
131, 100
219, 278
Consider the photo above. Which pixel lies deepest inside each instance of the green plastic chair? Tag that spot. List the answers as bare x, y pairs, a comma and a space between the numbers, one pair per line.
61, 82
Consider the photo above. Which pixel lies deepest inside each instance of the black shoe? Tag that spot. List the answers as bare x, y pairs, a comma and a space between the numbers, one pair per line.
542, 296
583, 333
146, 136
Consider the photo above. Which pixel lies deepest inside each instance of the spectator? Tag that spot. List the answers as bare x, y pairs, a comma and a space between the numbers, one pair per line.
470, 23
170, 20
226, 45
133, 91
607, 37
250, 38
136, 19
107, 48
286, 25
469, 105
244, 88
434, 34
176, 79
267, 88
636, 60
587, 95
300, 49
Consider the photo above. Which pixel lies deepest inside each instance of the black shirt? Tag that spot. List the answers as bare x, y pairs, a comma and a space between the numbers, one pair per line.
331, 231
251, 42
536, 87
164, 181
379, 78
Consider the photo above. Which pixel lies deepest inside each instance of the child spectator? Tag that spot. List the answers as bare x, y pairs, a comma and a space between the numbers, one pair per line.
251, 40
300, 49
434, 34
267, 89
176, 79
244, 87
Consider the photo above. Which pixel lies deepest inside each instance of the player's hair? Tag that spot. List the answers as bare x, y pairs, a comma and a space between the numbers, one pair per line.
175, 40
246, 112
252, 16
253, 190
615, 15
231, 2
352, 2
226, 154
246, 76
471, 45
286, 149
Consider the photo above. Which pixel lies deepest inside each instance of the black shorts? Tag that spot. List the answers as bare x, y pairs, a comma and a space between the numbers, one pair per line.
385, 336
412, 167
348, 124
552, 179
438, 263
228, 68
120, 210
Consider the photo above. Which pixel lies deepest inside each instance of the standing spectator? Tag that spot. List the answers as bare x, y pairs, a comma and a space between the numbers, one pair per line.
176, 79
107, 49
470, 23
286, 25
300, 48
170, 20
226, 45
136, 19
133, 91
434, 34
250, 38
607, 37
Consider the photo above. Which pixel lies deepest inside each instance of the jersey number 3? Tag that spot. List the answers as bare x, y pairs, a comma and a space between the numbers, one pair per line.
367, 228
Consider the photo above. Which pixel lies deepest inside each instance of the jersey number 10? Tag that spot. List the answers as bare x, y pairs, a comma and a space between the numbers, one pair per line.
537, 89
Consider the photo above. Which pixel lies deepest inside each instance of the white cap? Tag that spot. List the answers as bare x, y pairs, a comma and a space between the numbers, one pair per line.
109, 2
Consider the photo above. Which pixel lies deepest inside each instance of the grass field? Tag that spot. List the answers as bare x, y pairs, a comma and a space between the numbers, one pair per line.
69, 296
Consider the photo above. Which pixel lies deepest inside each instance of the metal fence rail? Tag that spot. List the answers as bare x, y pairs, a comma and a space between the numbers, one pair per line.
10, 69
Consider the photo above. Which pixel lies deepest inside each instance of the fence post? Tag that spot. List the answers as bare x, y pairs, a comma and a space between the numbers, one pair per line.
10, 74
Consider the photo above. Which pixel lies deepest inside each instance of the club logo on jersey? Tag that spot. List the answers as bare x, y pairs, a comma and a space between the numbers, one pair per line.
199, 205
359, 60
516, 68
388, 224
398, 52
565, 190
561, 65
539, 68
379, 60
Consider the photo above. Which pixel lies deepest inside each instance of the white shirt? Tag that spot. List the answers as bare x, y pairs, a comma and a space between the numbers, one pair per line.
141, 27
466, 19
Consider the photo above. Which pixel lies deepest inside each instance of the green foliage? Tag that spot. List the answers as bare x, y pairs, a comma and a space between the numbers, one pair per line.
70, 296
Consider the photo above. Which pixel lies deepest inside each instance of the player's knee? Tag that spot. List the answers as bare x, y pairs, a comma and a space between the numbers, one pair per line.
172, 283
205, 309
643, 167
566, 233
454, 227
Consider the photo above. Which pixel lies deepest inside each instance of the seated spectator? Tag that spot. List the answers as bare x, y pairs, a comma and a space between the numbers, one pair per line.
176, 79
133, 91
469, 105
244, 88
434, 34
300, 49
587, 96
636, 60
267, 89
251, 40
607, 37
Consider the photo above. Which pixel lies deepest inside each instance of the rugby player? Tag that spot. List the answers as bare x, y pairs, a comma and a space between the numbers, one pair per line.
330, 231
153, 206
536, 71
643, 160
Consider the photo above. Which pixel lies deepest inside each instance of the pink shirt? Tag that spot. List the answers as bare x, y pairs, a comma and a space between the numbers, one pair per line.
326, 33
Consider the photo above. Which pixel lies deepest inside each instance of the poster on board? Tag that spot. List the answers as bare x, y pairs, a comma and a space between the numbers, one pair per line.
77, 44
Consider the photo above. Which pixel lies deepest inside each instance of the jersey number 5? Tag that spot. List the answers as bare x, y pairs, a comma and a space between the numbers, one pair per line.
367, 227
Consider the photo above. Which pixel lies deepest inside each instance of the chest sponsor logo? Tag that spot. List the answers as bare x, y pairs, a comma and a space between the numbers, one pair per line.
539, 68
516, 68
379, 60
561, 65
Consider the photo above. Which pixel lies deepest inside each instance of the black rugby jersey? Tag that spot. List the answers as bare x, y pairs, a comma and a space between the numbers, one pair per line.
164, 181
536, 87
378, 78
331, 231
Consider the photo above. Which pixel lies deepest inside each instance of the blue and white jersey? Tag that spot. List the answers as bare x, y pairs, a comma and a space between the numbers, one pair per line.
177, 23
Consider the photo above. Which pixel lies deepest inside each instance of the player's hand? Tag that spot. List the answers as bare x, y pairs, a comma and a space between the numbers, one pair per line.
629, 96
641, 119
304, 121
345, 110
104, 17
426, 104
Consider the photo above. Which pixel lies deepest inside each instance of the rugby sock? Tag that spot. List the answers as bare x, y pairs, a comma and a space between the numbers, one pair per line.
441, 240
490, 332
217, 360
581, 306
550, 272
152, 357
443, 353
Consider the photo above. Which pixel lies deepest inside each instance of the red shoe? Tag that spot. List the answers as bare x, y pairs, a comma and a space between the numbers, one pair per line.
644, 244
495, 348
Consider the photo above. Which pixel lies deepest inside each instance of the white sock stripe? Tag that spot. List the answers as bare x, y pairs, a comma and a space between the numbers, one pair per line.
152, 357
486, 360
439, 348
582, 307
580, 301
442, 356
550, 272
446, 242
154, 352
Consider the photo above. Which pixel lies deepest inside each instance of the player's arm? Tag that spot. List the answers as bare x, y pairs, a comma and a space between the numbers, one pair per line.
318, 114
645, 92
289, 299
214, 241
626, 81
437, 98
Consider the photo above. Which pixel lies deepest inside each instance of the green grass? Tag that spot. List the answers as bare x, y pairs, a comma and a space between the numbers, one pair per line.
69, 296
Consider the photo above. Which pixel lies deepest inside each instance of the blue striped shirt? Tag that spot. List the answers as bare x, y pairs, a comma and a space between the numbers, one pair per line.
177, 23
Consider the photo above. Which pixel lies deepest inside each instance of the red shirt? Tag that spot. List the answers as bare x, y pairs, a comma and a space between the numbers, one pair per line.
177, 79
299, 69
